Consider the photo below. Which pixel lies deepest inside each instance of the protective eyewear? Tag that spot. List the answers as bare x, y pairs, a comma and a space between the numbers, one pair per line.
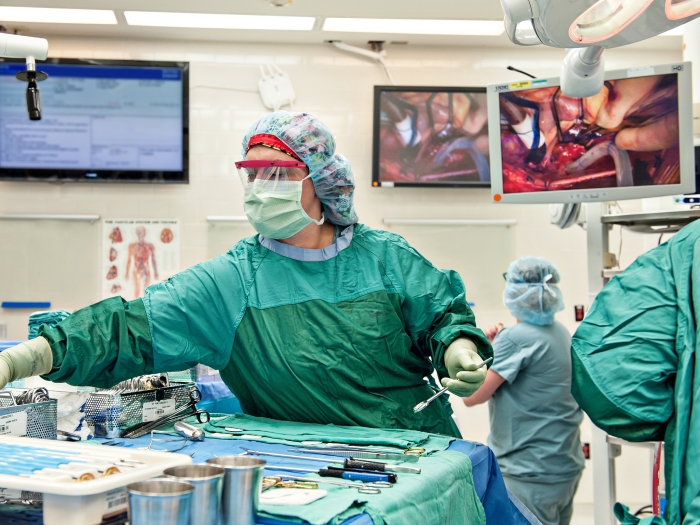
274, 170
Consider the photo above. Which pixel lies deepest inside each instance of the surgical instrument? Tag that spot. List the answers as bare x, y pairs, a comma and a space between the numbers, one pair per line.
185, 411
369, 488
276, 481
411, 451
34, 395
424, 404
189, 431
350, 463
370, 477
354, 464
137, 384
361, 454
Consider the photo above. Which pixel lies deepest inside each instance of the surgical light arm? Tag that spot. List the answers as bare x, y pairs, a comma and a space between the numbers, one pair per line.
583, 72
31, 49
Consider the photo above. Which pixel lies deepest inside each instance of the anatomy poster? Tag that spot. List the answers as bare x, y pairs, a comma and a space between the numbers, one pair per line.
137, 253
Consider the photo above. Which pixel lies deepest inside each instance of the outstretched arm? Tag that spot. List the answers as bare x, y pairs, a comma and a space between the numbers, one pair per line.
493, 382
187, 320
96, 346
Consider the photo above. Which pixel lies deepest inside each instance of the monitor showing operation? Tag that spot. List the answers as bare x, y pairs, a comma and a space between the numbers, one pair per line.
631, 140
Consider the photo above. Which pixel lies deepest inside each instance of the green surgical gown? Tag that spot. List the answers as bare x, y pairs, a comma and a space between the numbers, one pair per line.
344, 335
635, 363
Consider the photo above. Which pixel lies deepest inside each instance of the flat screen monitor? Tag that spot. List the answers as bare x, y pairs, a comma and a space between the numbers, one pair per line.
693, 197
430, 136
102, 121
633, 139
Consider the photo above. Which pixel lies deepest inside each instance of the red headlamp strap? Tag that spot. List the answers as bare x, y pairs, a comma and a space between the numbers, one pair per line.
270, 141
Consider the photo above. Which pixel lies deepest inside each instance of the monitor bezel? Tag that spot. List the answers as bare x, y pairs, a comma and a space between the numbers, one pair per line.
376, 120
60, 176
685, 131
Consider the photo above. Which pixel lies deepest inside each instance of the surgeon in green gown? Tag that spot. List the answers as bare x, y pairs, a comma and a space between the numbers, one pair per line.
317, 319
636, 371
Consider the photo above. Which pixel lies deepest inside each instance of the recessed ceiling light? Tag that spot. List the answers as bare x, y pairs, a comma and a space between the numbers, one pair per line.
50, 15
219, 21
415, 26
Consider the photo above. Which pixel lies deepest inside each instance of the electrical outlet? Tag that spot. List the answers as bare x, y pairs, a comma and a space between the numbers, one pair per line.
3, 331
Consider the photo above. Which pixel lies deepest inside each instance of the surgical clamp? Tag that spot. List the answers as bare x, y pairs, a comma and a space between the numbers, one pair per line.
424, 404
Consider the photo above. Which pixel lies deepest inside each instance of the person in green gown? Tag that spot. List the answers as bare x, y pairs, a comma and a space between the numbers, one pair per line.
636, 371
317, 319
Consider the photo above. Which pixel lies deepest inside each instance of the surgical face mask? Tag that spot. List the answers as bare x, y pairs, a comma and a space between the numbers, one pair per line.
274, 208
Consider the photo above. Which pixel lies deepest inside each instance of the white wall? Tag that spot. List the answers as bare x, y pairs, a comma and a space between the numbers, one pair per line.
59, 262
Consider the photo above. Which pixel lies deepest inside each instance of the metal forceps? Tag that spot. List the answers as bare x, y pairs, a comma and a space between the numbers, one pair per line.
412, 451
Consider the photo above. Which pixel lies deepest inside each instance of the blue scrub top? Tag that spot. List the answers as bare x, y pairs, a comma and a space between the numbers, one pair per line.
534, 418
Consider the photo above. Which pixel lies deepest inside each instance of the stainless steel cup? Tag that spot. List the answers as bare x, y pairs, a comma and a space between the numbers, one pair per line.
206, 498
160, 502
241, 490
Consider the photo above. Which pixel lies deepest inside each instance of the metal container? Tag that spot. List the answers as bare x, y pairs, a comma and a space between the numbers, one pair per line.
109, 413
34, 420
241, 490
207, 480
160, 502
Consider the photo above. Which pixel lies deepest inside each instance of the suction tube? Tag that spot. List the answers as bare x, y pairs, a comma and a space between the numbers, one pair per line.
623, 166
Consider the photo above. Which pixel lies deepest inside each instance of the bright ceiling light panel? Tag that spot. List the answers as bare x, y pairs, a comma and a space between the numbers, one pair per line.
50, 15
219, 21
415, 26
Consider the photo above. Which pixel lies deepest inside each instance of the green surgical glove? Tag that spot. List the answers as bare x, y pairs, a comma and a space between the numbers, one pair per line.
32, 358
461, 360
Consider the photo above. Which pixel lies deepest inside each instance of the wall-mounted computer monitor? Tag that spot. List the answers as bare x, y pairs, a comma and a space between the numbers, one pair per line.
430, 136
103, 121
633, 139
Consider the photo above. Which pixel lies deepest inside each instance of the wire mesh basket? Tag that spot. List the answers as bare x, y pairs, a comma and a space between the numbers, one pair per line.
185, 375
108, 413
34, 420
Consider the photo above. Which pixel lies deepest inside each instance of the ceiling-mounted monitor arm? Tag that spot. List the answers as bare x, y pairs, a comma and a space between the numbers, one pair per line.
30, 49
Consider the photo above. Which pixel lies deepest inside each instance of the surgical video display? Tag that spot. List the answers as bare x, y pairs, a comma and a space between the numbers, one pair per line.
431, 137
625, 136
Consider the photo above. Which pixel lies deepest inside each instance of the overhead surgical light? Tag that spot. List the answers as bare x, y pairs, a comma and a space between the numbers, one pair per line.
600, 24
680, 9
605, 19
609, 23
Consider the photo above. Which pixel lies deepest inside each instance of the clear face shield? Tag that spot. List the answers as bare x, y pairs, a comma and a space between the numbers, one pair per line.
271, 172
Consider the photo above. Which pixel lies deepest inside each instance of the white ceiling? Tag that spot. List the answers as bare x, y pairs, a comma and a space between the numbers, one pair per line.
432, 9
